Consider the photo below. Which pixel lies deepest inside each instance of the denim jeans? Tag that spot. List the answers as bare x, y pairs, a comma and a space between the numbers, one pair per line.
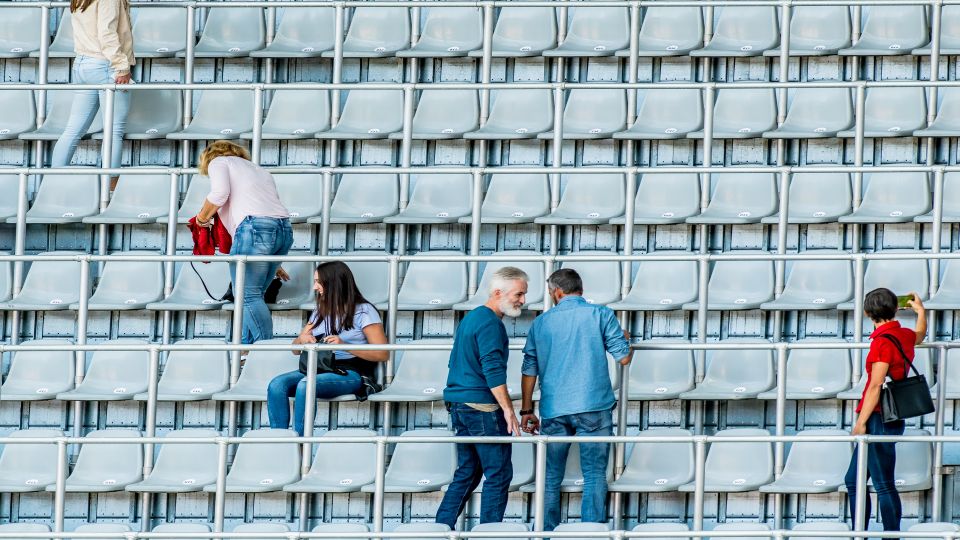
475, 462
593, 462
259, 236
88, 70
294, 384
881, 462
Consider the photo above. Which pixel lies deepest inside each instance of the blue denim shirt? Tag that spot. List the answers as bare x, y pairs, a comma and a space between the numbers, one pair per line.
566, 348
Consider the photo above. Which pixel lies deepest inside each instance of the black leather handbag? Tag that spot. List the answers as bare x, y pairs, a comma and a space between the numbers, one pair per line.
907, 398
325, 362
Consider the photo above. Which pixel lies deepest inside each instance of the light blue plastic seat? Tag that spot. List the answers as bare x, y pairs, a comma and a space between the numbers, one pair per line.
657, 375
340, 467
420, 467
364, 198
444, 114
735, 374
20, 32
934, 527
106, 467
103, 528
815, 113
64, 198
900, 276
113, 375
949, 33
420, 375
159, 32
666, 114
197, 191
738, 198
448, 32
822, 284
28, 467
420, 527
594, 31
503, 526
138, 198
742, 31
514, 198
947, 123
921, 361
815, 373
913, 467
368, 114
190, 289
262, 468
59, 103
890, 30
193, 375
817, 198
523, 31
24, 527
817, 31
376, 32
742, 113
737, 466
890, 197
6, 279
592, 114
662, 527
892, 112
533, 269
656, 467
664, 199
62, 45
661, 285
517, 114
588, 199
295, 114
301, 194
601, 279
39, 375
262, 527
581, 527
813, 467
182, 468
823, 526
220, 114
437, 199
257, 372
127, 285
9, 193
742, 527
20, 114
181, 528
947, 296
49, 285
433, 285
669, 31
296, 292
572, 474
230, 32
303, 32
736, 285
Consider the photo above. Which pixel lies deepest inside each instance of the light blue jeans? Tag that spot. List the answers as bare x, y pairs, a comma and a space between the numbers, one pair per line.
294, 384
259, 236
87, 70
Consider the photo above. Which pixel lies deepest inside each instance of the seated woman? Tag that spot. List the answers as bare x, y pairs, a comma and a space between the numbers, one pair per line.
342, 316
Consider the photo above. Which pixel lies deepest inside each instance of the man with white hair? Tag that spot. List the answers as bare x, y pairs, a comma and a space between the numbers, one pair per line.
479, 403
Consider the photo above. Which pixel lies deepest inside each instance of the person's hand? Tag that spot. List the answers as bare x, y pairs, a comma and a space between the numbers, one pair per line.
333, 340
124, 78
304, 339
208, 224
915, 304
530, 423
859, 429
625, 361
513, 425
626, 335
282, 274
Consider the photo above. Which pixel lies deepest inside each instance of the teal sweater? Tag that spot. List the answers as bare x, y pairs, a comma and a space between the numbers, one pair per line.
478, 361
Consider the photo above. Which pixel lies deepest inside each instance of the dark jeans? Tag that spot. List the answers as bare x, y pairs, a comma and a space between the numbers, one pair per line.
881, 462
490, 462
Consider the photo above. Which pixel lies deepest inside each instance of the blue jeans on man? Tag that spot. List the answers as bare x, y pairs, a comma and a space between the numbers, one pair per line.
881, 466
594, 458
489, 462
259, 236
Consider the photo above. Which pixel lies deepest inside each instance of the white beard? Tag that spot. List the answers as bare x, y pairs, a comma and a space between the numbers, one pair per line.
507, 308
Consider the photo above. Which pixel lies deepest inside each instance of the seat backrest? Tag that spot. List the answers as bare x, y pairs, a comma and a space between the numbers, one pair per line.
605, 28
662, 366
444, 194
521, 111
379, 29
38, 461
23, 527
595, 110
948, 98
902, 194
373, 111
895, 108
216, 277
265, 365
267, 463
523, 29
224, 111
668, 195
900, 276
195, 370
298, 112
593, 195
744, 195
19, 107
502, 526
142, 195
67, 195
898, 23
447, 111
601, 279
18, 30
423, 463
745, 110
934, 527
313, 28
262, 528
110, 461
733, 366
820, 194
813, 458
365, 195
740, 281
54, 367
120, 367
102, 528
742, 527
6, 277
673, 460
581, 527
424, 370
460, 28
832, 278
681, 24
679, 110
433, 282
752, 25
420, 527
522, 195
662, 527
915, 458
669, 282
63, 40
191, 463
820, 27
817, 366
347, 463
340, 527
197, 191
181, 528
57, 280
820, 109
300, 193
137, 281
737, 462
9, 187
234, 29
59, 103
951, 191
159, 30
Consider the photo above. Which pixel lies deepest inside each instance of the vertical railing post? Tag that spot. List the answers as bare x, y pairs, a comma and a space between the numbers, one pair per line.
858, 269
236, 338
936, 499
325, 216
703, 280
257, 124
42, 68
557, 155
169, 267
476, 206
83, 313
699, 466
780, 266
106, 161
486, 61
20, 242
539, 491
860, 107
860, 511
309, 410
60, 490
219, 501
379, 484
151, 431
781, 416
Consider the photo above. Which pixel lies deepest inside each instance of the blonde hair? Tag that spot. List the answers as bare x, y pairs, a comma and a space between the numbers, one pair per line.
220, 149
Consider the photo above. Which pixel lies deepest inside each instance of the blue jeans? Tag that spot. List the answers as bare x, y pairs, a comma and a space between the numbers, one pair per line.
476, 462
294, 384
881, 463
259, 236
87, 70
593, 462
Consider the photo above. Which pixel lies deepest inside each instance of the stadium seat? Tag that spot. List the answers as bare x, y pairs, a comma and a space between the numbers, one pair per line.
948, 109
9, 193
736, 285
592, 114
594, 31
6, 279
581, 527
572, 474
420, 527
20, 114
661, 285
301, 194
127, 285
813, 467
372, 278
947, 296
220, 114
364, 198
106, 467
261, 468
64, 198
39, 375
19, 32
197, 191
950, 373
62, 45
138, 199
737, 466
666, 114
296, 292
817, 198
742, 31
182, 468
259, 369
58, 112
815, 113
514, 198
601, 279
823, 526
113, 375
921, 361
913, 464
949, 33
517, 114
190, 290
49, 285
448, 32
588, 199
303, 32
657, 375
29, 467
436, 199
262, 527
502, 526
368, 114
180, 527
522, 458
534, 270
514, 365
662, 527
159, 32
444, 114
376, 32
420, 375
822, 284
24, 527
891, 30
892, 198
892, 112
738, 198
295, 114
420, 467
230, 33
735, 374
102, 528
934, 527
433, 285
523, 31
742, 527
656, 467
742, 113
340, 527
340, 467
669, 31
817, 31
193, 375
664, 199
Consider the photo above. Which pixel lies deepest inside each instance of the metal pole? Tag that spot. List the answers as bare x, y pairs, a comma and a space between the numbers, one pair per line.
858, 267
107, 160
60, 492
405, 158
169, 267
257, 124
378, 484
937, 236
860, 517
236, 338
632, 65
936, 9
540, 477
936, 502
780, 427
476, 203
858, 160
784, 60
394, 286
547, 270
486, 61
220, 495
557, 155
81, 365
699, 464
20, 241
154, 378
310, 406
42, 68
188, 66
325, 224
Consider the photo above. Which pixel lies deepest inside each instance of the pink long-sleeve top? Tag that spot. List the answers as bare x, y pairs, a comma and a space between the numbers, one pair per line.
242, 189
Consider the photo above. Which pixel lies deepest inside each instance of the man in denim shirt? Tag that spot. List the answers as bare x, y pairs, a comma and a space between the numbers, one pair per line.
566, 348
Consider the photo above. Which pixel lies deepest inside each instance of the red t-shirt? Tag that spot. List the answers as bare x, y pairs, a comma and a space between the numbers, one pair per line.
882, 350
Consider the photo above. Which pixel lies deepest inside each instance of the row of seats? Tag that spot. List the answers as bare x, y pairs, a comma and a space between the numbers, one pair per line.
377, 113
519, 32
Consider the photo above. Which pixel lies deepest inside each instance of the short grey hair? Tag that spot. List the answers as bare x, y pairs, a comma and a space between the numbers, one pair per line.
567, 280
504, 276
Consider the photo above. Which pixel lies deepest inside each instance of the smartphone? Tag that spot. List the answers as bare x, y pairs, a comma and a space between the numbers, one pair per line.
902, 301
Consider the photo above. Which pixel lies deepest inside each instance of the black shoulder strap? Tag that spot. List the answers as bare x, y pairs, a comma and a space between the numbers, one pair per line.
195, 271
906, 361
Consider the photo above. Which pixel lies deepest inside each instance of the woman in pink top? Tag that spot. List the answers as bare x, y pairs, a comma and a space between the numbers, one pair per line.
245, 198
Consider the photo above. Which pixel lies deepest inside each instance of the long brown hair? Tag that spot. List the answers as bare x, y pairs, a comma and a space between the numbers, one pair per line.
80, 5
338, 303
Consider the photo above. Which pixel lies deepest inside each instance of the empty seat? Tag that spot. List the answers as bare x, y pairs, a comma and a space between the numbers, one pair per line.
661, 285
64, 198
601, 279
433, 285
742, 527
949, 33
661, 374
263, 527
297, 291
737, 466
421, 527
303, 32
588, 199
572, 474
340, 527
592, 114
514, 198
817, 31
948, 293
815, 285
182, 468
947, 123
914, 460
823, 526
59, 103
49, 285
20, 32
669, 31
113, 375
139, 198
436, 199
502, 526
817, 198
742, 113
6, 279
62, 45
364, 198
652, 467
39, 375
181, 528
448, 32
523, 31
376, 32
230, 32
368, 114
534, 270
20, 115
193, 375
891, 30
295, 114
814, 113
738, 197
102, 528
28, 467
738, 285
581, 527
664, 199
815, 373
662, 527
24, 527
813, 467
934, 527
420, 375
259, 369
444, 114
301, 194
190, 290
9, 190
595, 31
221, 114
260, 468
340, 467
735, 374
127, 285
743, 31
159, 32
949, 373
892, 198
892, 112
420, 467
106, 467
517, 114
197, 191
